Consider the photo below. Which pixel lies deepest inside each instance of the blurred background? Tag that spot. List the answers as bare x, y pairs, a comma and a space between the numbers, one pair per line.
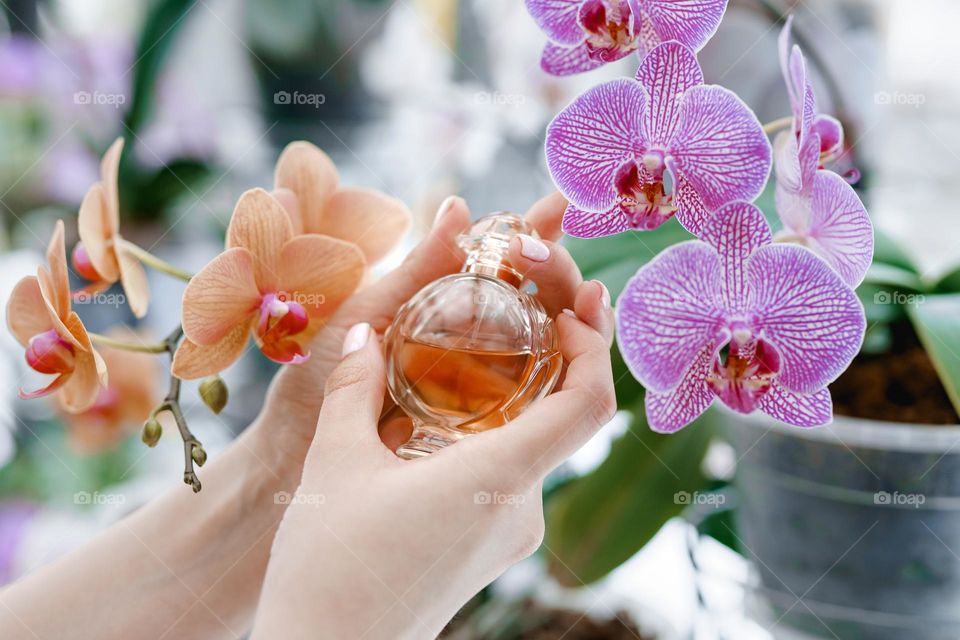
419, 99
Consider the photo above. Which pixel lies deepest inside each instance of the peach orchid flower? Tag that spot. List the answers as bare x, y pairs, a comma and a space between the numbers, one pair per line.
101, 256
124, 404
269, 281
57, 343
307, 185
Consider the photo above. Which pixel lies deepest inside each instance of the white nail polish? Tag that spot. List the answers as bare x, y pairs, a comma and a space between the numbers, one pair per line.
604, 295
533, 249
355, 339
445, 206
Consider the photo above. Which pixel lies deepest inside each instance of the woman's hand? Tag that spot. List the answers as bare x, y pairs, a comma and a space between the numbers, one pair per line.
374, 546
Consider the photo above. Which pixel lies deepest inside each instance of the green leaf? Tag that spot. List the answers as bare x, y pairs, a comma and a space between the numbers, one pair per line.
161, 27
888, 251
614, 259
949, 282
598, 521
893, 276
936, 319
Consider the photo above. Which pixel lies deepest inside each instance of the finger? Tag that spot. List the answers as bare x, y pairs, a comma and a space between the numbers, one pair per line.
556, 426
353, 395
436, 256
546, 215
551, 268
592, 305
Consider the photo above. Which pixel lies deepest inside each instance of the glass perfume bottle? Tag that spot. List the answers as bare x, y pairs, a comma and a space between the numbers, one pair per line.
471, 350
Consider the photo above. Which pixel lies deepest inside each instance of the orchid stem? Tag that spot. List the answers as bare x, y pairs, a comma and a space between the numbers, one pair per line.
140, 347
154, 262
780, 123
171, 404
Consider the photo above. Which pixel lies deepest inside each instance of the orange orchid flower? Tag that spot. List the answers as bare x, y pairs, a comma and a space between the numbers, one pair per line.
269, 282
124, 404
100, 255
307, 185
57, 343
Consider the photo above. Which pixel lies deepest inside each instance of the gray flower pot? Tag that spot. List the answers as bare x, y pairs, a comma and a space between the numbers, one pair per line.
853, 528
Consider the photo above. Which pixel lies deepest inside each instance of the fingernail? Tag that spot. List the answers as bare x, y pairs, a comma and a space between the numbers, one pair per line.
533, 249
355, 339
445, 206
570, 313
604, 295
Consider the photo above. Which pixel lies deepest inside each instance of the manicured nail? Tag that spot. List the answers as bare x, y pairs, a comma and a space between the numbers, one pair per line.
570, 313
356, 338
604, 295
533, 249
445, 207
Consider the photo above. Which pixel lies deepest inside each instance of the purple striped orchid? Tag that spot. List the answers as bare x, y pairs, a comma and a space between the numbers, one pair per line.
733, 316
817, 207
631, 153
586, 34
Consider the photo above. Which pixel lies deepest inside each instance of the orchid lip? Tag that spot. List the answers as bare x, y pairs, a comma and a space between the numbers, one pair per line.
83, 265
49, 353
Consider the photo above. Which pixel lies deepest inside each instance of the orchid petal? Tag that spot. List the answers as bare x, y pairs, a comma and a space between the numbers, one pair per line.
666, 73
565, 61
558, 19
192, 361
320, 272
221, 296
311, 175
133, 277
803, 308
27, 314
786, 161
588, 224
840, 229
96, 232
373, 221
291, 204
260, 225
670, 411
668, 312
109, 176
691, 213
58, 294
592, 138
89, 375
690, 22
736, 230
720, 147
54, 385
797, 409
46, 291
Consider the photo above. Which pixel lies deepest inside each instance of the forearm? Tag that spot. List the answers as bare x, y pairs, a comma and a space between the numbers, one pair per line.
188, 564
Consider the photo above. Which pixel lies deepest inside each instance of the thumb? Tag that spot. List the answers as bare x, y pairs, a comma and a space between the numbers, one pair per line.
353, 396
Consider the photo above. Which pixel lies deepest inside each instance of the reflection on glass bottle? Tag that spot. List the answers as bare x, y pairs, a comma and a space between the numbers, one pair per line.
471, 350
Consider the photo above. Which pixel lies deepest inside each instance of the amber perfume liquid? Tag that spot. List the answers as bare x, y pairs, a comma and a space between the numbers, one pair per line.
471, 350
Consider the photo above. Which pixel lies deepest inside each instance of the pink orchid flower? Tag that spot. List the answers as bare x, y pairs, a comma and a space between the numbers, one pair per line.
269, 282
631, 153
586, 34
100, 256
732, 316
817, 207
57, 343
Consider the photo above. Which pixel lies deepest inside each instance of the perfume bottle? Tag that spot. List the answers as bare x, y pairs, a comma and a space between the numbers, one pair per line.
471, 350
